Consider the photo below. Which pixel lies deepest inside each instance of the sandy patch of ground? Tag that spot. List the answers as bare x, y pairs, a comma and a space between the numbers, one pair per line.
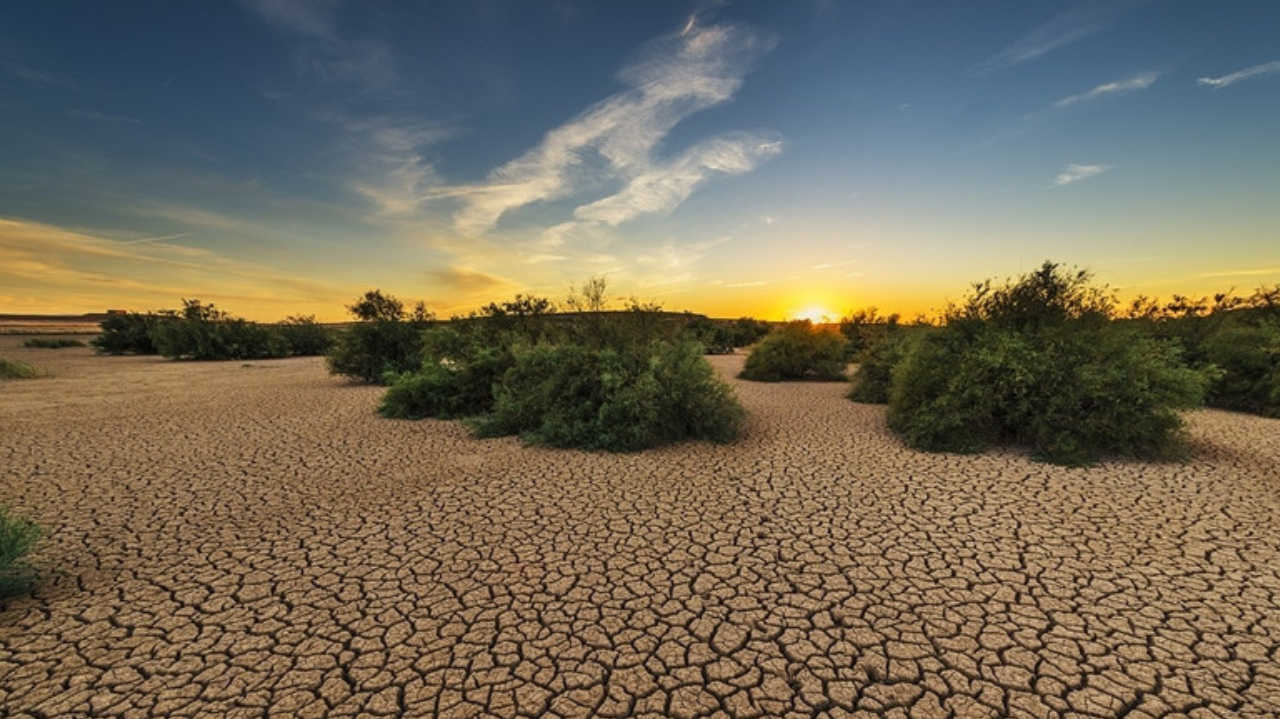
247, 541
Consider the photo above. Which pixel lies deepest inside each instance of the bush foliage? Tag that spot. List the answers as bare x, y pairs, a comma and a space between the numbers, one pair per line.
1037, 362
201, 331
13, 369
52, 343
589, 379
872, 382
129, 333
18, 537
797, 351
385, 342
612, 398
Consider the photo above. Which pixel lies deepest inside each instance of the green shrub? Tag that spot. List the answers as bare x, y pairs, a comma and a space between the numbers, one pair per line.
386, 341
872, 382
796, 351
129, 333
52, 343
203, 332
304, 336
18, 536
456, 378
614, 399
1249, 360
1037, 363
13, 369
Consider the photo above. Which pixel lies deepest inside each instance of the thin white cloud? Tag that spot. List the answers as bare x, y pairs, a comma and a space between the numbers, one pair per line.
305, 17
664, 187
105, 118
680, 74
1076, 173
1133, 84
1243, 273
1067, 28
1266, 68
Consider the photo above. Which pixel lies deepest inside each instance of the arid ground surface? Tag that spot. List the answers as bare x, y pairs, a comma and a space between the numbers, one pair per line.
252, 540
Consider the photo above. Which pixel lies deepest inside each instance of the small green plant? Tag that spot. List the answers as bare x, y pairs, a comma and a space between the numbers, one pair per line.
455, 380
52, 343
797, 351
13, 369
18, 537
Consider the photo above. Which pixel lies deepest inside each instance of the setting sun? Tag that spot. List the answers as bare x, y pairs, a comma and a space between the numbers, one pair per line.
816, 314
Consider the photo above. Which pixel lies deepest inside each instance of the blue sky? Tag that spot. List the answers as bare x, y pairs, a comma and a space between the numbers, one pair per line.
764, 158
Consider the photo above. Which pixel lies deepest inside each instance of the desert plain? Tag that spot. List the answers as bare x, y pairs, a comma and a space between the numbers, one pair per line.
252, 540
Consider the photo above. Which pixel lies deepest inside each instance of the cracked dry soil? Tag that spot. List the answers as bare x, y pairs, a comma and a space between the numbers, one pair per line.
253, 541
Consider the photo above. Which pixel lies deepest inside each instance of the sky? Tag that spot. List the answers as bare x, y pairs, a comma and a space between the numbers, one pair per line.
771, 159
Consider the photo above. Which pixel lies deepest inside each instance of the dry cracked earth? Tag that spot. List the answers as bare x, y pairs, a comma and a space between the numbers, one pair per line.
253, 541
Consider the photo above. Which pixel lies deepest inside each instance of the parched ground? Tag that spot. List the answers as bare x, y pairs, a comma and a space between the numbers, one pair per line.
236, 540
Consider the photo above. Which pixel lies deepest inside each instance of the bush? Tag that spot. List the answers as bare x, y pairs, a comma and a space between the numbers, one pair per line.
1036, 362
456, 378
614, 399
872, 382
385, 343
52, 343
13, 369
304, 336
797, 351
129, 333
1249, 360
18, 536
203, 332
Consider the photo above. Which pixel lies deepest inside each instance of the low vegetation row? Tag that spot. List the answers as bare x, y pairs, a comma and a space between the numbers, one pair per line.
53, 343
585, 378
200, 331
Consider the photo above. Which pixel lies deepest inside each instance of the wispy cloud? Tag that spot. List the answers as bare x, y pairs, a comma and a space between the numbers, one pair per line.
368, 63
663, 187
1132, 84
80, 269
305, 17
680, 74
1243, 273
1069, 27
105, 118
36, 77
163, 238
1076, 173
393, 170
1266, 68
829, 265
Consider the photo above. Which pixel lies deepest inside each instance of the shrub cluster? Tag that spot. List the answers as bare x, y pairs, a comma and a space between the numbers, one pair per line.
52, 343
590, 379
872, 382
618, 399
18, 537
13, 369
1038, 362
384, 342
797, 351
129, 333
1240, 337
724, 336
201, 331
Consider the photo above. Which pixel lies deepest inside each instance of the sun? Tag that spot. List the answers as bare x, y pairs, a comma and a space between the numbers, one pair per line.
816, 314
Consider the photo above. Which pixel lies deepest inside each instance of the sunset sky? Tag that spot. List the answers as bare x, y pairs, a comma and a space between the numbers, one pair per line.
763, 158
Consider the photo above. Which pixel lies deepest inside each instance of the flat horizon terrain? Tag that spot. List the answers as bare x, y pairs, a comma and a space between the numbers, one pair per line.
249, 539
